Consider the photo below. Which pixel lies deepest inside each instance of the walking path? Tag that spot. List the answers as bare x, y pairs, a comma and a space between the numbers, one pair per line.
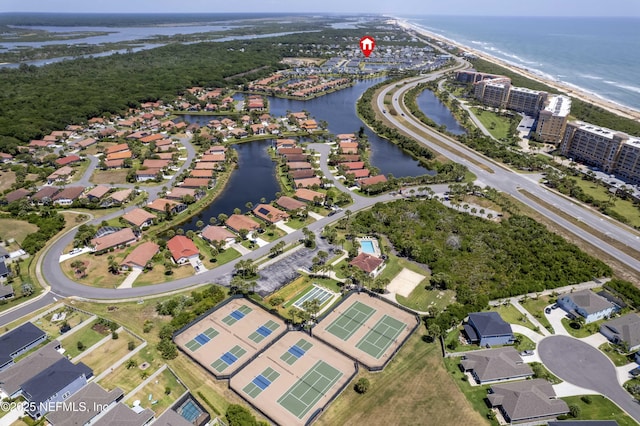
534, 320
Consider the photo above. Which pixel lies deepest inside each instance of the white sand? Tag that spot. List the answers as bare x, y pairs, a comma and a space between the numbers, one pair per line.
404, 283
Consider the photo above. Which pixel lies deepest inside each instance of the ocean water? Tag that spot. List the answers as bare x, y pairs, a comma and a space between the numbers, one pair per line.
598, 55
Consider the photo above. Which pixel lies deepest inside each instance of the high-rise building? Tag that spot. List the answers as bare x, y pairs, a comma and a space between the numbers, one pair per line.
493, 92
552, 120
470, 76
614, 152
525, 100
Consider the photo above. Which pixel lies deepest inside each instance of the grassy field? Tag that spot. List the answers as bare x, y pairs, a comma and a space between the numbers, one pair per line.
536, 308
109, 176
7, 178
224, 257
497, 125
157, 275
97, 273
423, 300
157, 390
599, 408
73, 318
272, 234
513, 316
16, 229
296, 223
87, 335
475, 395
128, 379
624, 208
415, 388
111, 351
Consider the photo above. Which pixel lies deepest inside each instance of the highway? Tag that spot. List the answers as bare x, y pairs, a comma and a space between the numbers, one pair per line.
511, 182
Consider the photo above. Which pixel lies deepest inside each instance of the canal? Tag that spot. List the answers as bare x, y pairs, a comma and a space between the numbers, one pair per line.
433, 108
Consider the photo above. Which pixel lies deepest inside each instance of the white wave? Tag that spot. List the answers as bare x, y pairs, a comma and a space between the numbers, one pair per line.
635, 89
590, 77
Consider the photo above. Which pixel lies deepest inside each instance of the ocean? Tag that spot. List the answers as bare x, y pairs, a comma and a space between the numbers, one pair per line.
597, 55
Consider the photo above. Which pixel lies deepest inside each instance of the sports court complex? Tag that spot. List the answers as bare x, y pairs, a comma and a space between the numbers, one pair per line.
367, 329
294, 378
227, 337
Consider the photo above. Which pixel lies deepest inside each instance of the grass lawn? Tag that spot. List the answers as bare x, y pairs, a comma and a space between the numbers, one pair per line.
7, 178
52, 329
513, 316
157, 388
523, 343
541, 372
624, 208
224, 257
16, 229
475, 395
128, 379
407, 392
536, 308
87, 335
272, 234
296, 223
618, 359
157, 275
585, 330
599, 408
423, 300
496, 125
97, 273
111, 351
109, 176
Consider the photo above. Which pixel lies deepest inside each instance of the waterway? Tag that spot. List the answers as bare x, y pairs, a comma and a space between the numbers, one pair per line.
255, 178
433, 108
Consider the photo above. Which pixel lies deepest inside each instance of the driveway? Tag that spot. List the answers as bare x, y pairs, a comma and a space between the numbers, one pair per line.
555, 319
582, 365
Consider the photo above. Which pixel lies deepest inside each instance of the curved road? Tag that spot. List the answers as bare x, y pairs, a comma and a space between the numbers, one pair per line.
583, 365
511, 182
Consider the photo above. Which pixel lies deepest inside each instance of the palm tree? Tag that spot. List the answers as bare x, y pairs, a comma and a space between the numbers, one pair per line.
199, 224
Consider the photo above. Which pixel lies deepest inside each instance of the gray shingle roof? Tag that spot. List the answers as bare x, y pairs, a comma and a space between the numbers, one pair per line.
93, 397
589, 301
489, 324
40, 387
496, 364
17, 339
627, 328
527, 399
13, 377
122, 415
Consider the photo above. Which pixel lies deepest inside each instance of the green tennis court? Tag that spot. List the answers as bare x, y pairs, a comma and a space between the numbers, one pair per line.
261, 382
236, 315
350, 320
201, 339
307, 391
228, 358
381, 336
296, 351
264, 331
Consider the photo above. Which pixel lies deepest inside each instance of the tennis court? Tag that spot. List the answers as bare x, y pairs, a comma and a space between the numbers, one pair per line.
230, 335
320, 294
367, 328
350, 320
293, 378
309, 389
381, 336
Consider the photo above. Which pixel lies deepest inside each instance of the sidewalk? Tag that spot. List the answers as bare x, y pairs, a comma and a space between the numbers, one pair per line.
530, 317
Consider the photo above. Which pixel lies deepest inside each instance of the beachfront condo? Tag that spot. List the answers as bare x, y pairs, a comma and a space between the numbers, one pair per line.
552, 120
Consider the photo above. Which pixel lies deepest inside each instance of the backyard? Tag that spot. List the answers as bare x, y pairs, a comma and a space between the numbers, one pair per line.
159, 393
108, 353
15, 229
87, 336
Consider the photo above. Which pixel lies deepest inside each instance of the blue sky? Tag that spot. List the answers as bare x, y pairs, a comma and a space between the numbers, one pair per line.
397, 7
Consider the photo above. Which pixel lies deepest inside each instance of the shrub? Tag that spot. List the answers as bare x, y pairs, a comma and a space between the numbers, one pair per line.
114, 335
237, 415
362, 385
167, 390
80, 346
574, 410
586, 399
131, 345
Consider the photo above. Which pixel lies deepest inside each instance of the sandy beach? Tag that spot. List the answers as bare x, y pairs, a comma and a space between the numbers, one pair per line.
621, 110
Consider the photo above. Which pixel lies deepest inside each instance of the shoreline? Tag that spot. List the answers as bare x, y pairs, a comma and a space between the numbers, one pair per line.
563, 87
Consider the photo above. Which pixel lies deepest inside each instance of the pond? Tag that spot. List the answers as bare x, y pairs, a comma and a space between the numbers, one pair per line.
433, 108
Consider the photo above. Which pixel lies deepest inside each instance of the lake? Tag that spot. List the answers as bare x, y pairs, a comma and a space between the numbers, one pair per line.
433, 108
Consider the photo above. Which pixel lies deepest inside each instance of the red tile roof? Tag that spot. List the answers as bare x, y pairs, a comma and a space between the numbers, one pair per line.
298, 165
353, 165
70, 193
308, 195
67, 160
238, 222
206, 166
301, 174
358, 174
289, 203
306, 183
372, 180
366, 262
138, 217
216, 233
201, 173
181, 247
195, 182
123, 236
159, 204
121, 195
99, 191
120, 155
269, 213
155, 164
117, 148
141, 255
151, 138
112, 164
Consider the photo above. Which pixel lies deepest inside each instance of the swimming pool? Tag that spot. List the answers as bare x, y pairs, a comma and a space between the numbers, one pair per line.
367, 247
189, 411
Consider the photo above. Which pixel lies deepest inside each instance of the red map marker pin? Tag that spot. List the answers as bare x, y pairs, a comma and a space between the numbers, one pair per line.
367, 43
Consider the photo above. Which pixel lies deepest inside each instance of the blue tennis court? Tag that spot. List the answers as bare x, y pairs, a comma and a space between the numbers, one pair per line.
296, 351
264, 331
261, 382
237, 315
201, 338
228, 358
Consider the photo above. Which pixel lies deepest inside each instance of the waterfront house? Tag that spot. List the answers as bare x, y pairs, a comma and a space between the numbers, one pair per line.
290, 204
364, 182
179, 193
307, 182
269, 213
308, 195
302, 174
163, 205
238, 222
220, 234
195, 183
139, 218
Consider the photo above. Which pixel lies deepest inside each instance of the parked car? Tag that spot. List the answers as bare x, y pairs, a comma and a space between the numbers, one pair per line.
555, 306
547, 310
528, 352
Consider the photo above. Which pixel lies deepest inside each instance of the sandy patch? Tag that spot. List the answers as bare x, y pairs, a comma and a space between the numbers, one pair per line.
404, 283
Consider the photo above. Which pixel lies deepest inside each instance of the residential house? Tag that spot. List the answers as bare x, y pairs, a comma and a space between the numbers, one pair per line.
121, 414
114, 164
348, 158
85, 143
61, 175
587, 304
363, 183
215, 157
286, 144
307, 182
180, 193
35, 144
289, 203
93, 400
121, 196
238, 132
67, 196
526, 401
496, 365
155, 164
309, 125
201, 173
182, 249
123, 237
196, 183
139, 217
117, 148
147, 174
353, 165
4, 271
348, 147
12, 378
358, 174
302, 174
120, 155
206, 165
140, 257
624, 330
488, 329
372, 265
69, 159
212, 233
299, 165
18, 341
45, 194
4, 254
237, 222
6, 291
16, 195
5, 158
269, 213
97, 193
151, 138
162, 205
293, 158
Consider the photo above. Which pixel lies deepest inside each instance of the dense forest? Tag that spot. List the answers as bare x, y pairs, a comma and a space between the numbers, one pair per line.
476, 257
579, 109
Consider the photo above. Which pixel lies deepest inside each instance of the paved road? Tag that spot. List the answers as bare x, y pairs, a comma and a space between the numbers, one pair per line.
511, 182
583, 365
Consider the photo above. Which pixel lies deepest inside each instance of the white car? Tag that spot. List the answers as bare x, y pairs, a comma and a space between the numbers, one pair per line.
75, 250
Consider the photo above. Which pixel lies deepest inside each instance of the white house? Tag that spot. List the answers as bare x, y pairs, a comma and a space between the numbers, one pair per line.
588, 305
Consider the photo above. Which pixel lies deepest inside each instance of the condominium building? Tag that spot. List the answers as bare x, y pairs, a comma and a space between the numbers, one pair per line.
474, 76
493, 92
525, 100
552, 120
614, 152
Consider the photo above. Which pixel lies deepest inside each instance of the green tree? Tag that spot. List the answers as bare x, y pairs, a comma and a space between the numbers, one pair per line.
362, 385
238, 415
